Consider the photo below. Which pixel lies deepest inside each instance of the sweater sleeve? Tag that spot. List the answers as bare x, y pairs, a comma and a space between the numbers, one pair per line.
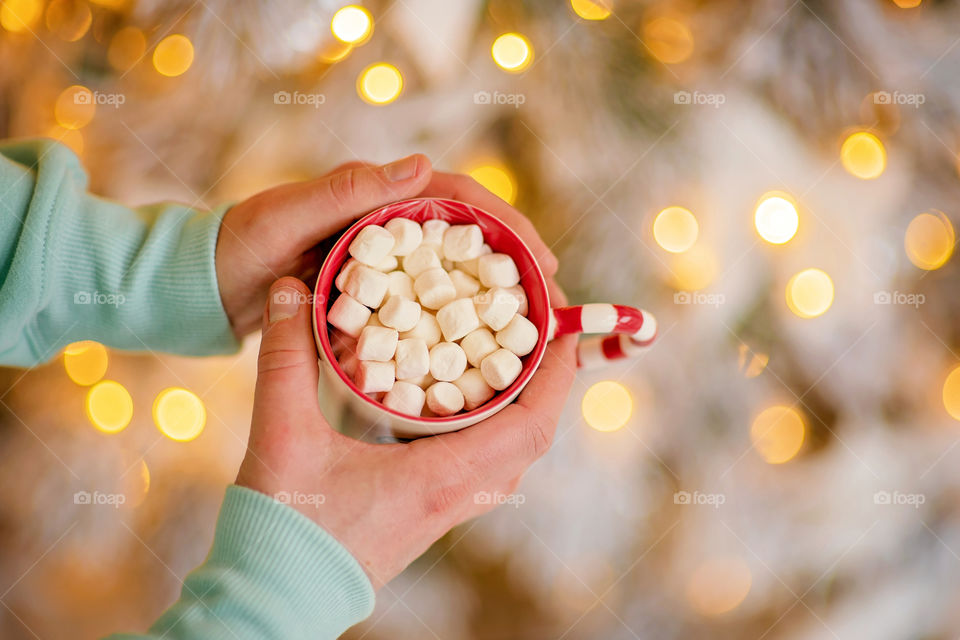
271, 574
74, 266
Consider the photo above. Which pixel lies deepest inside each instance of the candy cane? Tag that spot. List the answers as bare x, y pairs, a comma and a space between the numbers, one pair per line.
631, 331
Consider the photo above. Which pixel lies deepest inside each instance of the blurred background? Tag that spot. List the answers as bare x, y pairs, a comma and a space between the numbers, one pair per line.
776, 180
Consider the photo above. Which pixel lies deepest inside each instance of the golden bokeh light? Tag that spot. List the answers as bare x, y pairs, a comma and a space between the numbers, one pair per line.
127, 47
111, 4
334, 51
776, 218
85, 362
669, 39
607, 406
907, 4
951, 394
719, 585
810, 293
863, 155
380, 83
592, 9
109, 406
173, 55
694, 269
496, 178
69, 19
512, 52
19, 16
675, 229
352, 24
74, 108
929, 240
777, 434
70, 137
179, 414
751, 363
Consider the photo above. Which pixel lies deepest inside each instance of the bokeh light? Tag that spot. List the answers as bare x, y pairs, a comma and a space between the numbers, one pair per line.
929, 240
607, 406
70, 137
512, 52
751, 363
777, 434
719, 585
352, 24
85, 362
907, 4
380, 83
173, 55
675, 229
179, 414
74, 108
591, 9
20, 15
69, 19
694, 269
776, 218
668, 38
127, 47
863, 155
810, 293
951, 394
334, 51
495, 177
109, 406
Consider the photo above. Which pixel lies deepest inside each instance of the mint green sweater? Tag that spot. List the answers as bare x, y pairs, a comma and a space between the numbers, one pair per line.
74, 266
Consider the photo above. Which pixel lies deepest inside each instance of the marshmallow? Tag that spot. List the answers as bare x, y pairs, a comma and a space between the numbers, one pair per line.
405, 397
434, 288
457, 319
341, 279
349, 363
367, 285
500, 368
497, 270
377, 343
372, 244
400, 314
433, 231
478, 345
400, 285
421, 259
423, 381
447, 265
444, 399
348, 315
466, 285
496, 307
521, 295
427, 329
470, 266
474, 388
462, 242
413, 359
447, 361
519, 336
373, 376
407, 235
374, 320
388, 264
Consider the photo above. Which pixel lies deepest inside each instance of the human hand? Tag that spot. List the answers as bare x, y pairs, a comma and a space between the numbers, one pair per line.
385, 503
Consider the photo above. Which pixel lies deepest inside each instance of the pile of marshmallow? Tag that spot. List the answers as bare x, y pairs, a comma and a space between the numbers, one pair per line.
429, 320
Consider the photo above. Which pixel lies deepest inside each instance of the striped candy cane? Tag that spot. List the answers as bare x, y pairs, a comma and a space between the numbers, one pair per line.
631, 331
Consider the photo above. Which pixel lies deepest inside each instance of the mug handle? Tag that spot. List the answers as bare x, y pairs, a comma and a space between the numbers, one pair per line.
630, 331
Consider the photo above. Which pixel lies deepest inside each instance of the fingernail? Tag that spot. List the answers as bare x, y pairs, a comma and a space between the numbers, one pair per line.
401, 169
284, 303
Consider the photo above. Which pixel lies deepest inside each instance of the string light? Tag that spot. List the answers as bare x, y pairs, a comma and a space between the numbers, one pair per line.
85, 362
68, 19
776, 218
607, 406
951, 394
810, 293
127, 47
929, 240
591, 9
512, 52
75, 107
380, 83
179, 414
109, 406
863, 155
173, 55
777, 434
352, 24
496, 178
675, 229
719, 585
18, 16
668, 39
694, 269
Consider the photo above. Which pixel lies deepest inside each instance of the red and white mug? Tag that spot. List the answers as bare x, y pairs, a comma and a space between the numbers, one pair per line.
629, 330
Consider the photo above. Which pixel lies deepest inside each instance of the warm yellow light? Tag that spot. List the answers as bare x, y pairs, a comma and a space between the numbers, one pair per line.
85, 362
776, 218
951, 394
810, 293
675, 229
74, 108
69, 19
607, 406
592, 9
497, 179
777, 434
380, 83
179, 414
907, 4
669, 40
929, 240
512, 52
70, 137
694, 269
111, 4
126, 48
751, 363
335, 51
173, 55
863, 155
109, 406
719, 585
20, 15
352, 24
